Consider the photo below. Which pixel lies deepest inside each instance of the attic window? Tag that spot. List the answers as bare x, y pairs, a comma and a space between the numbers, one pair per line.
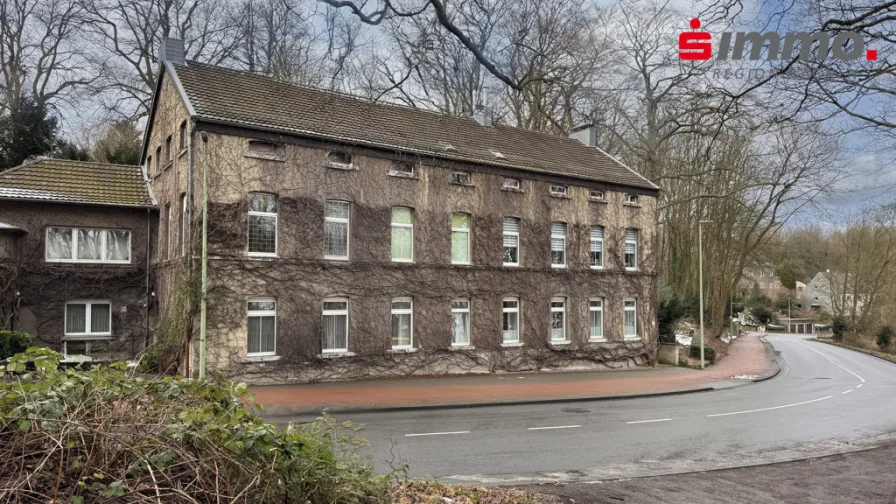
511, 184
340, 160
461, 178
182, 136
559, 191
597, 195
402, 169
631, 199
497, 154
448, 147
264, 150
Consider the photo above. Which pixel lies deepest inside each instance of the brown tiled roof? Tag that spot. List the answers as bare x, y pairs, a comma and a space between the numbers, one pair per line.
253, 100
76, 182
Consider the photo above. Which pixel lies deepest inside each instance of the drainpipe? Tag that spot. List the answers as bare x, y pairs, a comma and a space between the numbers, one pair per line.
148, 274
203, 310
189, 236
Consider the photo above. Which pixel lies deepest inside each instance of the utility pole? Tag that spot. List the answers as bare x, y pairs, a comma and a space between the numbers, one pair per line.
700, 246
203, 307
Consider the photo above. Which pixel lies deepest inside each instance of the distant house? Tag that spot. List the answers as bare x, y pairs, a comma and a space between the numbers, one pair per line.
763, 277
831, 293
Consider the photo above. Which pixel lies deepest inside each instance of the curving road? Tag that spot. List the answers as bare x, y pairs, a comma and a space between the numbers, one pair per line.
825, 400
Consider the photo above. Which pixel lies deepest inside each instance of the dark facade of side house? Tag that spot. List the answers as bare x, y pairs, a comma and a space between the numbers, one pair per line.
74, 241
349, 239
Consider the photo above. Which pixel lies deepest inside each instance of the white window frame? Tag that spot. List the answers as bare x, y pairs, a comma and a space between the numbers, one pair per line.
261, 313
559, 191
335, 313
462, 174
558, 309
591, 309
403, 311
597, 195
553, 236
340, 165
635, 255
88, 324
632, 199
348, 230
511, 184
410, 226
519, 326
468, 311
74, 256
399, 173
469, 233
634, 310
516, 234
603, 246
276, 217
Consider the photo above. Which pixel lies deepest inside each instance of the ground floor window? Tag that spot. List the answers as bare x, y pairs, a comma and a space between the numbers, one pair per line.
88, 318
402, 323
335, 325
460, 322
511, 320
596, 318
262, 334
630, 326
558, 319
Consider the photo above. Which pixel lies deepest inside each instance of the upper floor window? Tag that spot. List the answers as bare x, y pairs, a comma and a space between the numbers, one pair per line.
460, 322
159, 159
511, 184
402, 323
402, 234
461, 178
68, 244
631, 249
336, 229
596, 319
262, 334
632, 199
510, 320
341, 160
166, 247
597, 195
182, 136
511, 241
460, 238
558, 319
264, 149
149, 165
596, 258
560, 191
184, 223
630, 320
88, 319
262, 224
335, 325
558, 245
168, 151
402, 169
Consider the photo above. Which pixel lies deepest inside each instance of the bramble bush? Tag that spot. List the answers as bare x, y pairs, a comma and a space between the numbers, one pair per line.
100, 435
13, 342
883, 336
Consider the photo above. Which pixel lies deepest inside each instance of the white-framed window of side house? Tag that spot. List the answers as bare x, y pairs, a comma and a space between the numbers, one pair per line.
402, 169
88, 319
336, 229
558, 319
90, 245
461, 178
182, 137
559, 191
460, 238
596, 256
339, 160
631, 250
402, 234
510, 320
402, 323
597, 195
511, 241
596, 319
558, 244
632, 199
511, 184
460, 322
262, 328
335, 325
262, 225
630, 318
183, 235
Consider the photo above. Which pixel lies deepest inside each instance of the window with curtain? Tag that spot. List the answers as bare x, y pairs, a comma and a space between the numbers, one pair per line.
558, 245
460, 238
88, 319
262, 334
262, 224
402, 234
630, 320
335, 325
596, 318
65, 244
336, 229
631, 249
510, 320
402, 323
558, 319
596, 257
511, 241
460, 322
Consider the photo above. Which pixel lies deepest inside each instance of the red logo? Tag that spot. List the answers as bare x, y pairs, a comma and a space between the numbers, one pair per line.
695, 45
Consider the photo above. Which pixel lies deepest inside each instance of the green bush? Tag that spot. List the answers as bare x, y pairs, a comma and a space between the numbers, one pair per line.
763, 314
838, 327
709, 353
13, 342
883, 336
99, 435
670, 311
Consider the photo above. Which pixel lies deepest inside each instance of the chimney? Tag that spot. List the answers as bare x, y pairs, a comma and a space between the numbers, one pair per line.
585, 133
172, 51
483, 115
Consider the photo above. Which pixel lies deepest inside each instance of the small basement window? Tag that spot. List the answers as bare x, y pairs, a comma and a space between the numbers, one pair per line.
461, 178
597, 195
559, 191
265, 149
632, 199
341, 160
402, 169
511, 184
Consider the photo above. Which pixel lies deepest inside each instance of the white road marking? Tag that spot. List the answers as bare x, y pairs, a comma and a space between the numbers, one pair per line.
846, 391
835, 362
769, 409
649, 421
437, 433
859, 385
556, 427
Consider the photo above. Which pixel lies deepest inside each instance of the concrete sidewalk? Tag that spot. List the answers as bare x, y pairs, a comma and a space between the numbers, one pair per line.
749, 359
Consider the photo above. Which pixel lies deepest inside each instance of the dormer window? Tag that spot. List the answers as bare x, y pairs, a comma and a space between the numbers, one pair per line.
461, 178
402, 169
632, 199
597, 195
559, 191
511, 184
340, 160
267, 150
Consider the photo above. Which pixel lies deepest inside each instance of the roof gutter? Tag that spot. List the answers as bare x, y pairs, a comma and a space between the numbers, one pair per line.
82, 203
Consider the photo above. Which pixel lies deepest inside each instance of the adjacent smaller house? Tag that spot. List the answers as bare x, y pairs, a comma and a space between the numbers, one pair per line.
73, 255
831, 293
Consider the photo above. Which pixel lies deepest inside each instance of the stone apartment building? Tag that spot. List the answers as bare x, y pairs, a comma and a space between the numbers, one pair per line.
354, 239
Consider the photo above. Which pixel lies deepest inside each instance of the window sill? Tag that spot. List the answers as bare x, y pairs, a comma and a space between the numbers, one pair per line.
461, 185
403, 175
512, 345
342, 167
510, 189
597, 340
336, 354
632, 205
597, 268
108, 263
558, 266
260, 358
402, 350
87, 337
182, 152
631, 270
334, 258
631, 338
168, 165
265, 157
561, 196
461, 264
403, 261
560, 343
260, 256
455, 348
511, 265
597, 200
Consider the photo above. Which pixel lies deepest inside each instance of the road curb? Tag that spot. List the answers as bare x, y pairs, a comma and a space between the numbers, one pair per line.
773, 357
859, 350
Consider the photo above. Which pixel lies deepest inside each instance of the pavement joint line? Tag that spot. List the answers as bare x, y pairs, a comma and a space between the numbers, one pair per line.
555, 427
841, 366
437, 433
846, 391
649, 421
769, 409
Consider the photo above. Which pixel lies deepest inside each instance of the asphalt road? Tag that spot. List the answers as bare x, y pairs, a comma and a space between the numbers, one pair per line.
825, 400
